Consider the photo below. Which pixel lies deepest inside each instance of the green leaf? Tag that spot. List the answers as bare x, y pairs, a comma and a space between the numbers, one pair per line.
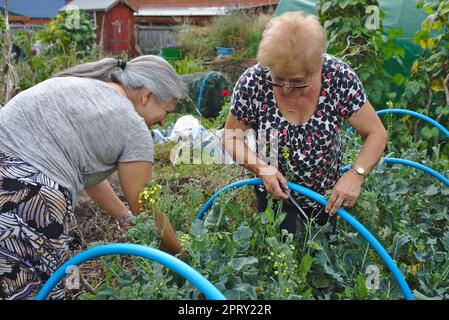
428, 133
269, 215
232, 208
242, 291
445, 240
420, 296
414, 86
327, 24
314, 245
322, 259
401, 187
238, 263
360, 290
443, 110
417, 37
326, 7
420, 4
428, 9
198, 229
399, 241
400, 52
399, 79
437, 25
378, 40
305, 265
242, 237
432, 190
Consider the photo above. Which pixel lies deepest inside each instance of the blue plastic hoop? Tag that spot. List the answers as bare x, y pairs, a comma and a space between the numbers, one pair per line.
189, 273
409, 163
203, 83
341, 212
411, 113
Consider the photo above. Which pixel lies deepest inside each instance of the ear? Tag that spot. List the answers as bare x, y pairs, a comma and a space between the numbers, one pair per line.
146, 96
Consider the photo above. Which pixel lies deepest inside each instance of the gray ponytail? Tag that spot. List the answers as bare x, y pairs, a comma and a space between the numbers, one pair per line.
144, 72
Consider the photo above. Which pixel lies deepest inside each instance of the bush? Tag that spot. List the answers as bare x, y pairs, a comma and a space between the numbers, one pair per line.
253, 36
426, 90
245, 256
240, 31
188, 64
196, 41
65, 33
365, 50
60, 47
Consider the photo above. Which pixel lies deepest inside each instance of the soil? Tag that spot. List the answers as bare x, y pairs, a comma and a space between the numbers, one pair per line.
94, 223
96, 226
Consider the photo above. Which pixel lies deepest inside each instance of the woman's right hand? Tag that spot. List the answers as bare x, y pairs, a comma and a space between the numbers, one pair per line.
274, 182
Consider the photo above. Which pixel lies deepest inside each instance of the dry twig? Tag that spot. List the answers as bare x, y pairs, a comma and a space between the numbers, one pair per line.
8, 71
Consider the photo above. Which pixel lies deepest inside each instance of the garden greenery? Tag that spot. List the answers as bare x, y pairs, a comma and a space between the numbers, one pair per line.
242, 251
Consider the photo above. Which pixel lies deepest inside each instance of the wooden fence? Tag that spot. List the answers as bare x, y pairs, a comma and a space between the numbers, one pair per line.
150, 39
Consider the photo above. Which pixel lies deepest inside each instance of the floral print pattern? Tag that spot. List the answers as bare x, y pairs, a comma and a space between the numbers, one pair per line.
316, 146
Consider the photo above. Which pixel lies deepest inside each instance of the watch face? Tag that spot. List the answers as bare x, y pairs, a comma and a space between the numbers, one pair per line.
360, 170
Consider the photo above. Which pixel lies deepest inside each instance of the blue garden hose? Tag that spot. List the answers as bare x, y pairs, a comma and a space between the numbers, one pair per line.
190, 274
341, 212
203, 83
411, 113
409, 163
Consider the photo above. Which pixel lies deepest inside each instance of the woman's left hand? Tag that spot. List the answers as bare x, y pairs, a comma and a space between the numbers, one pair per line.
125, 220
346, 192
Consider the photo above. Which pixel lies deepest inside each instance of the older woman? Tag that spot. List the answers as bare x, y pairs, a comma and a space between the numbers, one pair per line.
70, 133
295, 99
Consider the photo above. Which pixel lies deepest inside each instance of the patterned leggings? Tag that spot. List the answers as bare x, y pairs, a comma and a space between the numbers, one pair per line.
36, 218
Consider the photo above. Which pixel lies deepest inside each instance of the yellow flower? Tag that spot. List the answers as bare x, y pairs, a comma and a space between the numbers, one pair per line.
415, 268
285, 152
405, 119
184, 238
150, 194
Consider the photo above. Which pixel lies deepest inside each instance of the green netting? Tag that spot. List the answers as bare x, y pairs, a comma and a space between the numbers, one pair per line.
212, 96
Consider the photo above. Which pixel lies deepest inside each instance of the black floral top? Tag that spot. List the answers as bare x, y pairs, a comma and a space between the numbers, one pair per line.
311, 154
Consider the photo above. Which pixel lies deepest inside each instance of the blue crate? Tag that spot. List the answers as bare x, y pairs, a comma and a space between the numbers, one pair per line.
221, 51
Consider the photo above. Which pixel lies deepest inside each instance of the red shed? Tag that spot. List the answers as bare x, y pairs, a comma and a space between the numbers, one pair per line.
114, 24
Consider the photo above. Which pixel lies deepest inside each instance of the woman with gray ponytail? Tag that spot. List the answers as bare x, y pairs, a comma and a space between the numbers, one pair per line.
70, 133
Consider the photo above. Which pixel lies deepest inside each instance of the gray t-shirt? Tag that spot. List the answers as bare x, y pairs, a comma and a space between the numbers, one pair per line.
74, 130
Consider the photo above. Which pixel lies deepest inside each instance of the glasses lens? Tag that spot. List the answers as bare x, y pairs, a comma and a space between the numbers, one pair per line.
292, 91
289, 89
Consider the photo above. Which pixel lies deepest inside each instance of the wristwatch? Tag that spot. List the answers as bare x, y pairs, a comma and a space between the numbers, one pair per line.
359, 170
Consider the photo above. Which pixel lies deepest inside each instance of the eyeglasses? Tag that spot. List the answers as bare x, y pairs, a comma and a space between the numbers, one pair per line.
294, 89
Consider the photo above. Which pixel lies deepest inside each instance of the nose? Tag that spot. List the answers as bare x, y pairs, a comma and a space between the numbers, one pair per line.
287, 91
